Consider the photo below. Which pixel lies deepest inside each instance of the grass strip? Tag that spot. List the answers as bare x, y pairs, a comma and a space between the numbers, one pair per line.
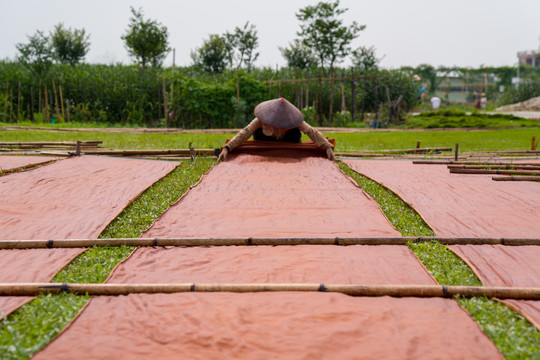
33, 325
514, 336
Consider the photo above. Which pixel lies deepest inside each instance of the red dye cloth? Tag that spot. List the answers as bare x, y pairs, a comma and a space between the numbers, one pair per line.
275, 193
272, 195
460, 205
10, 162
284, 325
513, 266
72, 198
473, 206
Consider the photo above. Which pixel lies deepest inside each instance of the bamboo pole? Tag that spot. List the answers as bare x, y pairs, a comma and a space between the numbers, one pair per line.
514, 166
5, 101
515, 178
149, 152
441, 291
61, 102
190, 242
471, 162
497, 172
19, 102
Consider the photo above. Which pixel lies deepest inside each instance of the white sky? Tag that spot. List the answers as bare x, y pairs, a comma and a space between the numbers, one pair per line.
466, 33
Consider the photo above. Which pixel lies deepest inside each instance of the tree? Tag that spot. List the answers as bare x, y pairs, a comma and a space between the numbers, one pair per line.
212, 55
364, 59
146, 40
242, 43
37, 54
69, 45
323, 31
297, 55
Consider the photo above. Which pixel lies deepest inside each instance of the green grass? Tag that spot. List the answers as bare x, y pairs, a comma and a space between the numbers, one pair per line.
514, 336
459, 119
476, 140
33, 325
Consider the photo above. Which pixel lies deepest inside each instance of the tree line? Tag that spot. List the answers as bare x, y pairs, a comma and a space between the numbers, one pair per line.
222, 85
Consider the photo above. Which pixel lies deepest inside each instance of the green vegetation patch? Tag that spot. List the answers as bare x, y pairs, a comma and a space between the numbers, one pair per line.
460, 119
33, 325
514, 336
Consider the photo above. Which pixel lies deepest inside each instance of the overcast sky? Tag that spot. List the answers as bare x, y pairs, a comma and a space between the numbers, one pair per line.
466, 33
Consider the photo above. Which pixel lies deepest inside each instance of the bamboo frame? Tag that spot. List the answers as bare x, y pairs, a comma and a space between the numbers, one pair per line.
515, 178
515, 166
471, 162
446, 291
497, 172
77, 243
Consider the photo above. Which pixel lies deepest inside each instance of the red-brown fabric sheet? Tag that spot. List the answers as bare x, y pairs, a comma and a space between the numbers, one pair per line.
461, 205
513, 266
72, 198
271, 325
274, 194
467, 205
11, 162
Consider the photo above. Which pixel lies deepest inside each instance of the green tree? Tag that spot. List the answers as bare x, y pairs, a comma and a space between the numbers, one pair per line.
70, 46
364, 59
146, 40
428, 73
322, 30
242, 44
37, 54
297, 55
212, 55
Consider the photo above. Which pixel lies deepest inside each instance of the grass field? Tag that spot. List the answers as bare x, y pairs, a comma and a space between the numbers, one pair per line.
32, 326
473, 140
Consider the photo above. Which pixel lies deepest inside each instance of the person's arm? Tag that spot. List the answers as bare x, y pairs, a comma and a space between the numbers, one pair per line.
319, 139
240, 138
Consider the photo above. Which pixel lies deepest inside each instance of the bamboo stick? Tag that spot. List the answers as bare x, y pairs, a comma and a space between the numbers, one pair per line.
516, 178
5, 101
61, 102
77, 243
149, 152
471, 162
514, 166
443, 291
56, 102
498, 172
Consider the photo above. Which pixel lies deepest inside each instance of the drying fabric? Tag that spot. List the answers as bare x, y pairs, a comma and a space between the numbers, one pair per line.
72, 198
513, 266
284, 325
465, 205
275, 193
460, 205
11, 162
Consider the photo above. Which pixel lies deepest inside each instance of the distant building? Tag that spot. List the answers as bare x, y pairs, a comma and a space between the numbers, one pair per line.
529, 58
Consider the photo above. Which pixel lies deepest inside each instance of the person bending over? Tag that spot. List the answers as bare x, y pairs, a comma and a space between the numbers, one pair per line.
278, 120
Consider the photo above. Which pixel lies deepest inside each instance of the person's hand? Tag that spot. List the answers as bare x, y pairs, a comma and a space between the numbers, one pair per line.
330, 154
223, 155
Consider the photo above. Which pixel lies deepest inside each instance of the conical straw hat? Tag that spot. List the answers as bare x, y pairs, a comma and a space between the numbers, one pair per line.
279, 113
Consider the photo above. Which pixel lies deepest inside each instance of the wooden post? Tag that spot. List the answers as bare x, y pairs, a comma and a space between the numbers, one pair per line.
5, 101
32, 103
533, 143
62, 102
165, 110
10, 104
56, 102
40, 108
456, 153
46, 106
353, 96
19, 102
418, 144
78, 148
